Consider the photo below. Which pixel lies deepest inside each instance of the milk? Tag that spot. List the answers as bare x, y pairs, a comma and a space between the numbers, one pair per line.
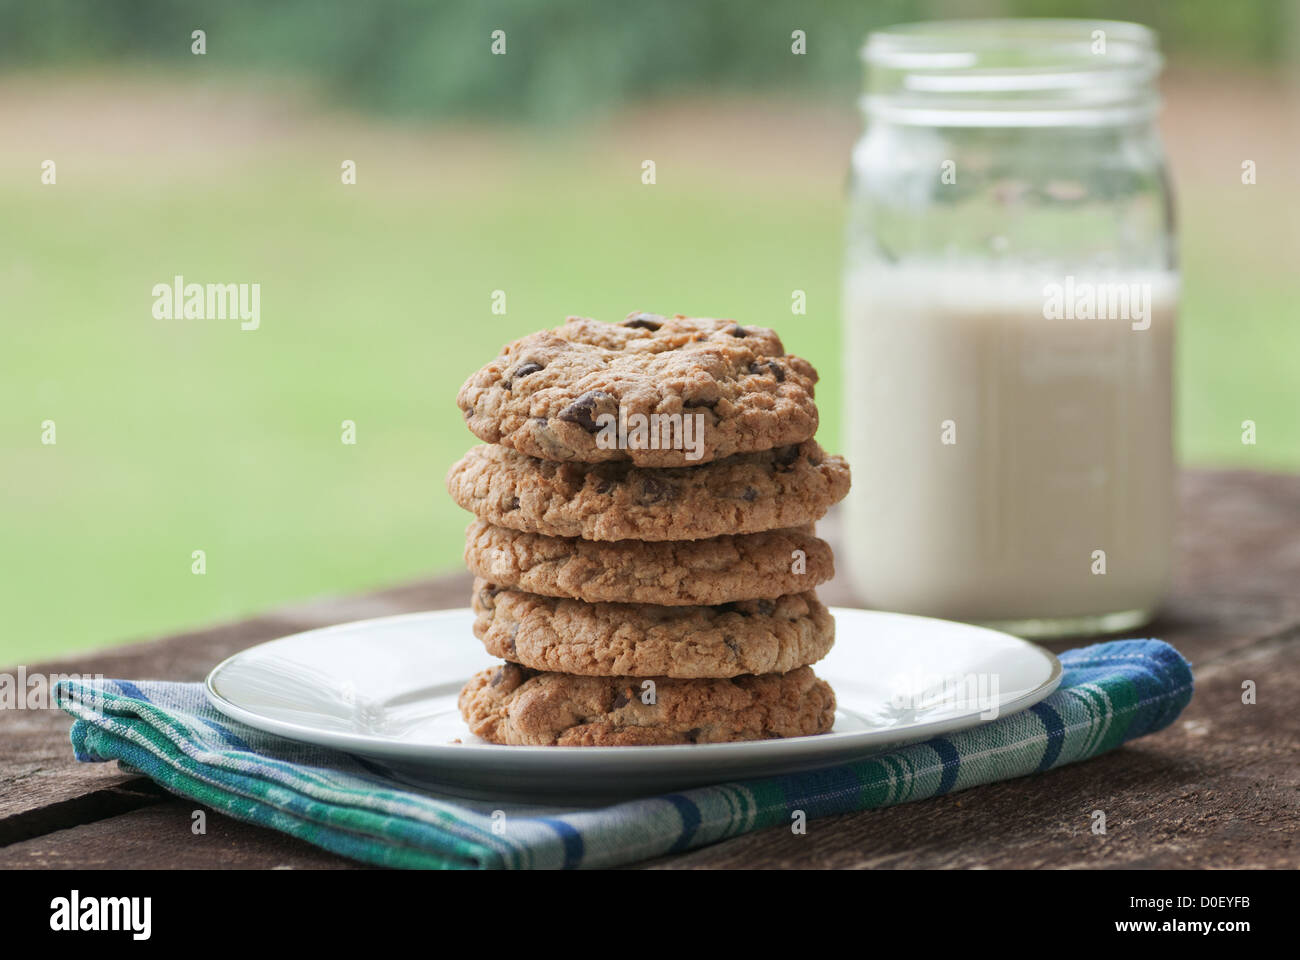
1010, 466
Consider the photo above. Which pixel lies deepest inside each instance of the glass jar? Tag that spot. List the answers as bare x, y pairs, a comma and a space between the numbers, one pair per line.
1010, 295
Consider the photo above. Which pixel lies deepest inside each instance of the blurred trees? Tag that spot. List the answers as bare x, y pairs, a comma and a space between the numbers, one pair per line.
566, 57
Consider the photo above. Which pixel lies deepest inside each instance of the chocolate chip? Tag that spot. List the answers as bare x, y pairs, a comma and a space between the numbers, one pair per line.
469, 412
581, 410
605, 486
487, 595
655, 490
731, 644
513, 504
772, 365
750, 495
693, 734
644, 321
738, 331
622, 700
523, 370
707, 404
766, 607
785, 458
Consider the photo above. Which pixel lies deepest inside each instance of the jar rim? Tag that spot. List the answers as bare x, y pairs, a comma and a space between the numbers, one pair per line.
1012, 72
1053, 35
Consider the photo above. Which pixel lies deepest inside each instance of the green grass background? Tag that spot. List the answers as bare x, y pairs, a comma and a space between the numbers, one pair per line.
182, 435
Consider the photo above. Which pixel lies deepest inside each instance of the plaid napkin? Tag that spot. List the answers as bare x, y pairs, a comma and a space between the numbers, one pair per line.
1110, 693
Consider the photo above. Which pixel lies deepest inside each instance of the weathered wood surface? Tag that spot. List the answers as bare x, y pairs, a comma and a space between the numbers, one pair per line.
1221, 788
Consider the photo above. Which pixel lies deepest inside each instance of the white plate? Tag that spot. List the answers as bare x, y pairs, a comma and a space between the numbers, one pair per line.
386, 690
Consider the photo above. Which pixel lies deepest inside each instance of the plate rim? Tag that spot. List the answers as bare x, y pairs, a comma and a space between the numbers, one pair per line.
369, 745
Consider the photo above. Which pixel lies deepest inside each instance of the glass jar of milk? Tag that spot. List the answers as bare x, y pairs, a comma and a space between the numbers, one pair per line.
1010, 296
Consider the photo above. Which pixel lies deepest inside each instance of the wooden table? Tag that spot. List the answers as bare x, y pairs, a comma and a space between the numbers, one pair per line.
1217, 789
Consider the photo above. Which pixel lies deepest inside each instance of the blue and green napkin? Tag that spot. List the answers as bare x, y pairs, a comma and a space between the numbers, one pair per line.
1110, 693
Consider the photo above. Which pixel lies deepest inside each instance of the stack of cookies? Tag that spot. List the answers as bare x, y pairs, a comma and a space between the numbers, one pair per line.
643, 546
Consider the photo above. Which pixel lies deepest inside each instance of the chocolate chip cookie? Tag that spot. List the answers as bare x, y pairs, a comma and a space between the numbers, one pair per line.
658, 391
774, 489
646, 640
514, 705
689, 572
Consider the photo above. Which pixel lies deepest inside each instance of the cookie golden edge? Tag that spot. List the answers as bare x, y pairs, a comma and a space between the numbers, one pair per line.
776, 489
512, 705
716, 570
645, 640
543, 394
